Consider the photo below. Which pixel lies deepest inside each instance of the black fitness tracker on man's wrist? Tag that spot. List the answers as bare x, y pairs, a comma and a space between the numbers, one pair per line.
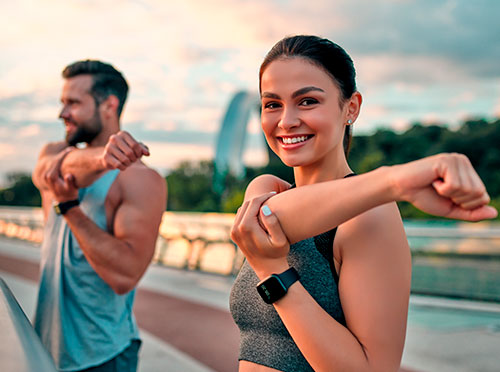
63, 207
276, 286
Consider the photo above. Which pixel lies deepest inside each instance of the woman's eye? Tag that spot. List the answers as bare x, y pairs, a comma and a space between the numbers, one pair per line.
271, 105
308, 102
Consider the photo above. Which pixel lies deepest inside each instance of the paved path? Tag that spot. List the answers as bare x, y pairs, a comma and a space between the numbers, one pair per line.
186, 326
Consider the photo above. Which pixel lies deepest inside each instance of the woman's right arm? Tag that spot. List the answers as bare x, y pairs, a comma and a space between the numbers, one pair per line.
444, 185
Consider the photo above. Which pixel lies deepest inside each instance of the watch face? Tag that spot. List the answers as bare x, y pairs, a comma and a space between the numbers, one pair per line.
271, 289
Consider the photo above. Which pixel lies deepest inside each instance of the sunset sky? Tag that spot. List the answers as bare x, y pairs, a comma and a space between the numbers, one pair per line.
426, 60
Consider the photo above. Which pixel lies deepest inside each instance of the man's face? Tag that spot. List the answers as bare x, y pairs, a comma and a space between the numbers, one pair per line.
79, 112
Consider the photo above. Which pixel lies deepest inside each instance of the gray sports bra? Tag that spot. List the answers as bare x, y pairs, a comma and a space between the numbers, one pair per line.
264, 338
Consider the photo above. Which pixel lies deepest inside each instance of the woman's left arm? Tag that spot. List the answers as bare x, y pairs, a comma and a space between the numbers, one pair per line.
374, 288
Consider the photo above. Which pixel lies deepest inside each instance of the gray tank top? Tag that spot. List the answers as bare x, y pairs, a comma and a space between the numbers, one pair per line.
264, 338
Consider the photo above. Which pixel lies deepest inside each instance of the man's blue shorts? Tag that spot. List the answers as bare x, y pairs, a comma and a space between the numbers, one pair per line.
126, 361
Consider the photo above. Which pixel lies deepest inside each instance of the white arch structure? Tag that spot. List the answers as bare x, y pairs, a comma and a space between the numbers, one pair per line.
232, 136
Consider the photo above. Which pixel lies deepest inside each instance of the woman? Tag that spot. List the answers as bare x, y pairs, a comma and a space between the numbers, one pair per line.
338, 299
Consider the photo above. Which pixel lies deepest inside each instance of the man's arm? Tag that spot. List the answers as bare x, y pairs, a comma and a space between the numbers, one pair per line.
120, 258
88, 164
50, 154
121, 255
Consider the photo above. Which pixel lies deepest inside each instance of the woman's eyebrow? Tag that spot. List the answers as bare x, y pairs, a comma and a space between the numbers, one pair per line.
295, 94
305, 90
270, 95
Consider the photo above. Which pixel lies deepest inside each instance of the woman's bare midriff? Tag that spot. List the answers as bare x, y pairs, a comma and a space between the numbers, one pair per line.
246, 366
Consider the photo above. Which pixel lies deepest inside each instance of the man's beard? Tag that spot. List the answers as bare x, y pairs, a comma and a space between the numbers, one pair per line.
85, 132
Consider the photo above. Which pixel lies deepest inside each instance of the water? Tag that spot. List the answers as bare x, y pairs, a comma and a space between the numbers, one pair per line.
476, 278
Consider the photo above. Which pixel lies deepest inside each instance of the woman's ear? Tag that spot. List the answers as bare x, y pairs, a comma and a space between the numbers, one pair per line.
353, 105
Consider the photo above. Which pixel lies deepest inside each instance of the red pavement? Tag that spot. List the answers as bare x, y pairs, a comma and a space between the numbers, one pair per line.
207, 334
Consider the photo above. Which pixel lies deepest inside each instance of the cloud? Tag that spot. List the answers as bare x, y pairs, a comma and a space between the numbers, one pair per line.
371, 113
406, 71
29, 131
453, 28
6, 150
462, 98
400, 124
34, 106
184, 60
17, 157
167, 155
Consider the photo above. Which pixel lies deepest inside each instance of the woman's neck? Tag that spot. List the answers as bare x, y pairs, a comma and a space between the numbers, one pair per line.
325, 170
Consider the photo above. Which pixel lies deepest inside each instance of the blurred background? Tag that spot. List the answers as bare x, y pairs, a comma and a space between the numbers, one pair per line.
429, 74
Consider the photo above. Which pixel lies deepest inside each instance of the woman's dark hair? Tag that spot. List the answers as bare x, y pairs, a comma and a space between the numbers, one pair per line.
326, 55
106, 80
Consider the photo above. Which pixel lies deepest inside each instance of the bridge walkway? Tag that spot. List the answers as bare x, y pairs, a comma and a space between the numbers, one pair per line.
186, 326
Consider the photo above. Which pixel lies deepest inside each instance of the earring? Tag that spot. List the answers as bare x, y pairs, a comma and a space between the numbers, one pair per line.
349, 121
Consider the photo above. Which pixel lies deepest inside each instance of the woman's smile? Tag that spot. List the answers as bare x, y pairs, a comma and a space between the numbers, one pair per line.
290, 142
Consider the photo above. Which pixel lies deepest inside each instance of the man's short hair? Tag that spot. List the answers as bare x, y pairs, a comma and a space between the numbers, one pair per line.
106, 80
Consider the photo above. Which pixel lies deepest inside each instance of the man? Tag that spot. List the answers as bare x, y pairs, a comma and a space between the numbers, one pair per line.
100, 236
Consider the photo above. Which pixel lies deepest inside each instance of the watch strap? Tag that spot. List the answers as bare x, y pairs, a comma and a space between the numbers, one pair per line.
288, 277
63, 207
276, 286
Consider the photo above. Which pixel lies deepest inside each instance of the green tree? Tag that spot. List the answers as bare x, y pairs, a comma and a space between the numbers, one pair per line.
190, 185
190, 188
233, 201
21, 191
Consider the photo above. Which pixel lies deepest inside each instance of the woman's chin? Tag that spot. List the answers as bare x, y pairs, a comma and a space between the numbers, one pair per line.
293, 162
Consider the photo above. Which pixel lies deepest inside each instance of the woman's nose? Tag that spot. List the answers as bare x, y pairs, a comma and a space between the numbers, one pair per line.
289, 119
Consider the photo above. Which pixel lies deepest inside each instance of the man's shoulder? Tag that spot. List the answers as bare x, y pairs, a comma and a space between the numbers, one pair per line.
140, 176
140, 169
53, 148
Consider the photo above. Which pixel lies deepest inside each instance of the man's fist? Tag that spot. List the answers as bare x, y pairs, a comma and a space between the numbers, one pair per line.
122, 150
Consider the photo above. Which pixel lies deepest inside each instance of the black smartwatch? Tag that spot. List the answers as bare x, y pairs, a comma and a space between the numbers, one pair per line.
63, 207
275, 286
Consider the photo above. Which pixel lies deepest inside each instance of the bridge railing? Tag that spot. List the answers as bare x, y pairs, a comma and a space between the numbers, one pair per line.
22, 223
20, 347
200, 241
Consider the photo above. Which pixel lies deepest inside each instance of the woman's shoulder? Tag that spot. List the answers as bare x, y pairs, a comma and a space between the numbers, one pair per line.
375, 218
380, 228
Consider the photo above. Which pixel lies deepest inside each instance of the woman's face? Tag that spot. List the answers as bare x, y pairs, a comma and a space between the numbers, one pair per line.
301, 116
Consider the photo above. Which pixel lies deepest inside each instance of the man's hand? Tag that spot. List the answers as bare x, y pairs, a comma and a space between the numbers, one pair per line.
122, 150
63, 188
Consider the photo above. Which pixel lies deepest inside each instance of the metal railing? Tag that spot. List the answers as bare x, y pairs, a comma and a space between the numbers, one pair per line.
20, 347
200, 241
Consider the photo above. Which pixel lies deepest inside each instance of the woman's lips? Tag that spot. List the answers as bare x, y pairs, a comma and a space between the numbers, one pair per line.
291, 142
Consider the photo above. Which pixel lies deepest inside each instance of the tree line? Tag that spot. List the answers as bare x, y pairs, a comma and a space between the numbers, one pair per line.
190, 184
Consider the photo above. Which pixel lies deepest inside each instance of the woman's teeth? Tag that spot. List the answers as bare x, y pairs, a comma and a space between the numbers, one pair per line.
290, 140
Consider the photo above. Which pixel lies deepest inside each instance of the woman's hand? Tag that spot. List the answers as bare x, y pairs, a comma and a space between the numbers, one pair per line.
445, 185
258, 233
